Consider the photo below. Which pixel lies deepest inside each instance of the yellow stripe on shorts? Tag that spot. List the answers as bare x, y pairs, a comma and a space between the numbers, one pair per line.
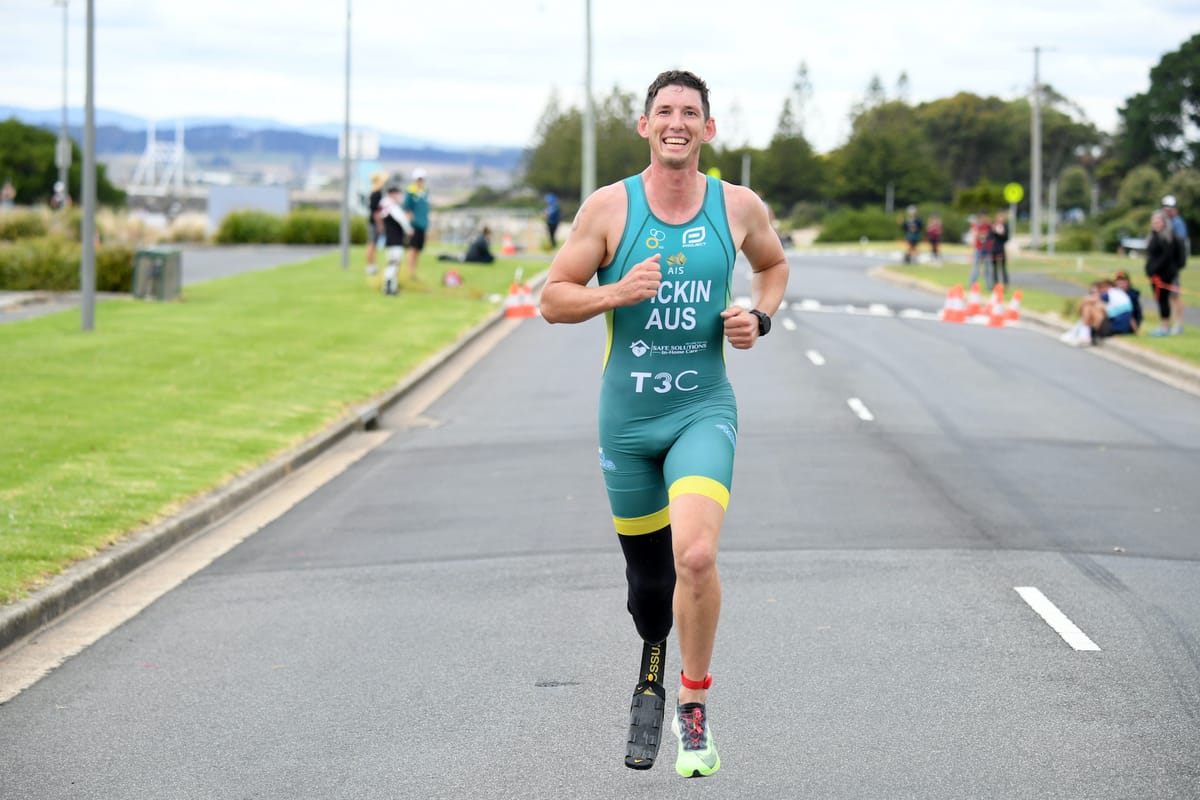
698, 484
637, 526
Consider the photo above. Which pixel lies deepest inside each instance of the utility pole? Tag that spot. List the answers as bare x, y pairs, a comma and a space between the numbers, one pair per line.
587, 183
1035, 159
87, 264
62, 155
344, 236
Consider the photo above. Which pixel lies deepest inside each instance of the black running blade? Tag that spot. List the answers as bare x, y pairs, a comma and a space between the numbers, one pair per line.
645, 725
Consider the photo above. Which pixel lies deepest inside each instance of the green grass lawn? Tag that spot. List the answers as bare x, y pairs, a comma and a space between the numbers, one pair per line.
108, 430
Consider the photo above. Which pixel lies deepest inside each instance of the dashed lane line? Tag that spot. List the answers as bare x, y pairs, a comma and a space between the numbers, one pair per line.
860, 409
1056, 619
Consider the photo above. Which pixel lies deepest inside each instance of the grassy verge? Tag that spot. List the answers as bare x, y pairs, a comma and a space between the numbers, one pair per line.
1078, 269
109, 430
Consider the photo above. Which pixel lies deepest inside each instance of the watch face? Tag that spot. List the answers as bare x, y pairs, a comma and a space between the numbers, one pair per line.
764, 322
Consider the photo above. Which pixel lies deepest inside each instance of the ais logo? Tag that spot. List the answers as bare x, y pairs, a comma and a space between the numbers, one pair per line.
694, 237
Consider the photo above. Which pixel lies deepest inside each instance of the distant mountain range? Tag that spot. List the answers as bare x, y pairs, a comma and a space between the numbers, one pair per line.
224, 137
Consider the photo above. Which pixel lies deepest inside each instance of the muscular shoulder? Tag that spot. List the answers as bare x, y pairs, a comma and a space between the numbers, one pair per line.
603, 213
747, 213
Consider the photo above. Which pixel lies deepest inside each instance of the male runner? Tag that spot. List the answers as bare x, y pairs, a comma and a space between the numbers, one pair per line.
662, 245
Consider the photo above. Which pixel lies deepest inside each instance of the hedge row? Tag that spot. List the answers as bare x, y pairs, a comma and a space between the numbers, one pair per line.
52, 264
302, 226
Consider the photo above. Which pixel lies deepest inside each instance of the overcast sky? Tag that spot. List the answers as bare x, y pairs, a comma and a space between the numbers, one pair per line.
479, 72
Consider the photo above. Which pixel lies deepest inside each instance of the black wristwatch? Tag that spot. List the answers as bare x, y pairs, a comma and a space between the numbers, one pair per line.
764, 322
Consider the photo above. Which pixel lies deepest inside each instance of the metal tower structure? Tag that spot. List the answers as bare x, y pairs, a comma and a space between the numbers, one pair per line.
161, 165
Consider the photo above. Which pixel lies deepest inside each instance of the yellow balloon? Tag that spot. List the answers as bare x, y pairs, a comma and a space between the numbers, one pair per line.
714, 172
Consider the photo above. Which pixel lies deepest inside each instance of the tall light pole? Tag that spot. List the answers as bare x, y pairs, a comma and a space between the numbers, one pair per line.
1035, 159
587, 183
62, 153
345, 230
87, 265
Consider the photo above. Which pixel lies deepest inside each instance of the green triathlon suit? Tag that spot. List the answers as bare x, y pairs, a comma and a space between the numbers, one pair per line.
668, 417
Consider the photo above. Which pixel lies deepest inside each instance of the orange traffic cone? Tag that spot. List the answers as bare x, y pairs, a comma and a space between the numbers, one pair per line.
952, 308
1014, 307
948, 305
508, 248
519, 303
996, 309
974, 306
958, 306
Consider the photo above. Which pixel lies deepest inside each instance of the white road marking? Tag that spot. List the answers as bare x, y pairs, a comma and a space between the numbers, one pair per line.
1055, 618
860, 409
789, 324
815, 357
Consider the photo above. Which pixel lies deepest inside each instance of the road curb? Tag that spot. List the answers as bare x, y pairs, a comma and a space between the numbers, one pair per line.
1168, 370
85, 579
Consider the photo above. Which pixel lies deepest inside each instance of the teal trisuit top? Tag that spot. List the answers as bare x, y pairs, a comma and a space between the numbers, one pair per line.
668, 418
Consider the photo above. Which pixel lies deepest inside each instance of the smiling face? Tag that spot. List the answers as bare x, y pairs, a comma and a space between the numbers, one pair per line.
676, 126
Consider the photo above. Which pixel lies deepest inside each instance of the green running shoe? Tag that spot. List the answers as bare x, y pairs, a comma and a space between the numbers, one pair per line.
697, 752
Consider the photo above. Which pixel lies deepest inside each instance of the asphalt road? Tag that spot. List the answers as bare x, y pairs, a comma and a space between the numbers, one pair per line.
445, 618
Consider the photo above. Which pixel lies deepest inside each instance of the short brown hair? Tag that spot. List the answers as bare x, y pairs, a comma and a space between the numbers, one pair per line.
677, 77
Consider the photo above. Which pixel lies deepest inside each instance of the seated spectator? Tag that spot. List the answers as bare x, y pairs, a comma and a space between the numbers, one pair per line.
1121, 280
478, 251
1105, 311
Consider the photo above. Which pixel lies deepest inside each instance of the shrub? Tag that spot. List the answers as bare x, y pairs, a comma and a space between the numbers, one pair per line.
114, 268
1076, 238
321, 226
851, 225
250, 227
188, 227
22, 224
52, 265
804, 215
1133, 223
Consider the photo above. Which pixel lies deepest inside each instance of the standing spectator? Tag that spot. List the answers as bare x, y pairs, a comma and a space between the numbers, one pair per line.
998, 242
553, 216
913, 228
1162, 268
397, 229
416, 205
980, 233
1180, 232
375, 233
933, 232
7, 194
1122, 282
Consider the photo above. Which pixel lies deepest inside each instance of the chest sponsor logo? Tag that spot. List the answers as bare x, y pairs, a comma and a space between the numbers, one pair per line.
694, 237
655, 238
640, 348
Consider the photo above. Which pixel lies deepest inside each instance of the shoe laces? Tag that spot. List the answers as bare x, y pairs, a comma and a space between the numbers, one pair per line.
691, 723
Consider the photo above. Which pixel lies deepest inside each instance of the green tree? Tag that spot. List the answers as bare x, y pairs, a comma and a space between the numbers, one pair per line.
1143, 186
27, 157
1185, 185
1157, 126
972, 139
555, 162
887, 146
1074, 188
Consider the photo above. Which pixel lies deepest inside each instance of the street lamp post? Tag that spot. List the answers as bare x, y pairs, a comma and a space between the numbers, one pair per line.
62, 153
87, 264
588, 182
345, 229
